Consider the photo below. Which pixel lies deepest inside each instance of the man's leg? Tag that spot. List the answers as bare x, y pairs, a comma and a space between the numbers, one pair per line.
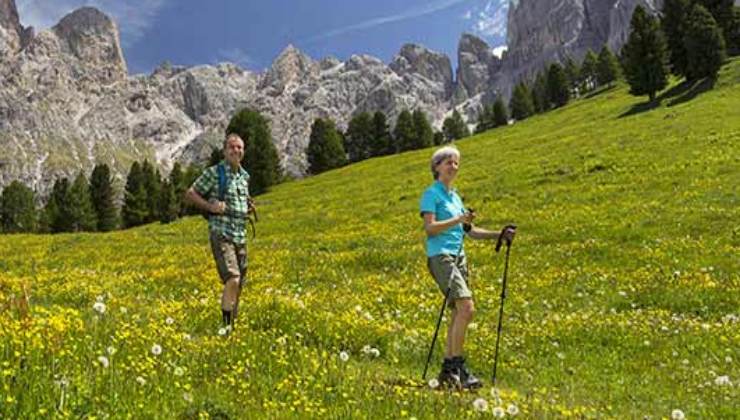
229, 299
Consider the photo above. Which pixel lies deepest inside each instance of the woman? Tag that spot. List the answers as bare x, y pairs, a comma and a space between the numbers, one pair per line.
446, 221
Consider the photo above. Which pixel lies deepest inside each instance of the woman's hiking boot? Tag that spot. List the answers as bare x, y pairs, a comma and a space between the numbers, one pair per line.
467, 379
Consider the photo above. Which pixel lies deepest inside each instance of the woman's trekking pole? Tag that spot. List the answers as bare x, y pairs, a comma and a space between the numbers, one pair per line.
503, 296
439, 320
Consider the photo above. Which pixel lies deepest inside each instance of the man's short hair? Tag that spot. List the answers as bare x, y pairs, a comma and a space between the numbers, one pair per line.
232, 136
440, 155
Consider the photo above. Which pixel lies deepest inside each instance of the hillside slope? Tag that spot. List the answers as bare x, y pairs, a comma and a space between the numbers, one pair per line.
624, 284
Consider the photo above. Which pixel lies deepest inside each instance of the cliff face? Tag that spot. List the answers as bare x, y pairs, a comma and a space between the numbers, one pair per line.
67, 101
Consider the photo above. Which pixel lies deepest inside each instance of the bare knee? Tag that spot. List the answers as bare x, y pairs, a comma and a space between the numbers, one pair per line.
465, 309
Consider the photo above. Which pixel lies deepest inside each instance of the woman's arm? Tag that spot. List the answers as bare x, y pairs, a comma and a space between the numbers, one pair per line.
434, 227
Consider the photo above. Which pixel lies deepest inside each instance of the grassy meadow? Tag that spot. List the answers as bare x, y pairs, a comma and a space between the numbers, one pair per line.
623, 288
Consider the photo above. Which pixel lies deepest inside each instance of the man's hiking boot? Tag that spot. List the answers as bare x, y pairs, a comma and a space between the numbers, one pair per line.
467, 379
450, 375
228, 318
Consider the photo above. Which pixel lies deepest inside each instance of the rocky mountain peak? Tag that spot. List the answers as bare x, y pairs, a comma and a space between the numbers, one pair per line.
290, 67
434, 66
13, 36
92, 37
477, 66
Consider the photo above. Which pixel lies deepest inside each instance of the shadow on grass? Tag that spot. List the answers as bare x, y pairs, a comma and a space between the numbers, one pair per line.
676, 95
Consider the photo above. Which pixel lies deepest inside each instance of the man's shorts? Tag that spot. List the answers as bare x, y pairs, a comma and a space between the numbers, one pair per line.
231, 258
448, 274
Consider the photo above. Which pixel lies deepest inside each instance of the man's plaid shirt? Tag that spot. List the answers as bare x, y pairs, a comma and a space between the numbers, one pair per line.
232, 224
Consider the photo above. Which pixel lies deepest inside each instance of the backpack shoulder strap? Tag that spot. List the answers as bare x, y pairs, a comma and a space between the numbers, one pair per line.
221, 182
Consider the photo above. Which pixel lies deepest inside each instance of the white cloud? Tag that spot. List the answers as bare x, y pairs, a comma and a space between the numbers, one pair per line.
490, 21
429, 8
133, 17
499, 51
235, 55
468, 15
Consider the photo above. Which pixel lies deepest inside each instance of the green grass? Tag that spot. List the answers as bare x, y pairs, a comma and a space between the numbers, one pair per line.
624, 292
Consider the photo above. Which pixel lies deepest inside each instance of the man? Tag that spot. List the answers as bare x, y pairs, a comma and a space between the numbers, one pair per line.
446, 222
222, 191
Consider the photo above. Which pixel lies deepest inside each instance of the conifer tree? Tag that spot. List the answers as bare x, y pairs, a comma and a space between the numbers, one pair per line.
589, 71
454, 128
608, 67
359, 136
645, 55
486, 119
521, 105
705, 46
404, 132
557, 86
673, 23
169, 204
135, 207
178, 185
381, 143
424, 134
325, 149
260, 155
439, 138
539, 93
723, 13
500, 114
152, 185
733, 39
81, 206
17, 209
101, 195
188, 178
58, 212
573, 74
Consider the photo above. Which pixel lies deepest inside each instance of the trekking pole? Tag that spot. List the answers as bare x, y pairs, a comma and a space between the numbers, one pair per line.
503, 296
439, 320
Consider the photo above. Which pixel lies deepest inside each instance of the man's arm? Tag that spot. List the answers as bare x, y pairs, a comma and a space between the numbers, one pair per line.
193, 197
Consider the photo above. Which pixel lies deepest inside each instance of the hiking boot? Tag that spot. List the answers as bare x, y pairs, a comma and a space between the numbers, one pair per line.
449, 376
467, 379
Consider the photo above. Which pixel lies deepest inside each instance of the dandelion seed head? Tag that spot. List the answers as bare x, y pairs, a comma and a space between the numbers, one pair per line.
169, 320
99, 307
179, 371
433, 383
498, 412
677, 415
343, 356
141, 381
222, 331
156, 349
480, 404
512, 410
103, 361
723, 380
187, 397
111, 350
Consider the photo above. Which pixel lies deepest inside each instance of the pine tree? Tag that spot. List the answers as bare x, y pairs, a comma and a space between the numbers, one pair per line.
101, 195
404, 132
381, 143
454, 128
645, 55
424, 134
191, 174
81, 206
58, 211
607, 68
439, 138
673, 23
17, 209
217, 155
589, 71
177, 183
135, 207
486, 119
325, 149
705, 47
573, 74
539, 93
260, 155
521, 105
733, 38
723, 13
169, 203
557, 86
359, 136
500, 114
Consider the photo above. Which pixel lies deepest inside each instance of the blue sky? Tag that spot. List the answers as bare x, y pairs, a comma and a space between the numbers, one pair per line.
252, 33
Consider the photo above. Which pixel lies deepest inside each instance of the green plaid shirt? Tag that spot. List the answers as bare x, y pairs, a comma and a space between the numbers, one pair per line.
232, 224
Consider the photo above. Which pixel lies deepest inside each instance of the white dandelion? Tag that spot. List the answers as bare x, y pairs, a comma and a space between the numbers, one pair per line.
728, 359
480, 404
677, 415
141, 381
366, 349
222, 331
103, 361
512, 410
187, 397
722, 381
186, 336
344, 356
156, 349
179, 371
498, 412
374, 352
433, 383
111, 350
169, 320
99, 307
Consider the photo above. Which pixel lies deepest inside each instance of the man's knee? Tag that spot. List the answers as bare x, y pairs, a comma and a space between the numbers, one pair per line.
232, 283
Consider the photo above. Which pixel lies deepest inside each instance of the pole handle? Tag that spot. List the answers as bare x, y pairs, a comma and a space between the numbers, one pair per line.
499, 242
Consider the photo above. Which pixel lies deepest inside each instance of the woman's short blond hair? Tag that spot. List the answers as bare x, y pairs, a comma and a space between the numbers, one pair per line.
440, 155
